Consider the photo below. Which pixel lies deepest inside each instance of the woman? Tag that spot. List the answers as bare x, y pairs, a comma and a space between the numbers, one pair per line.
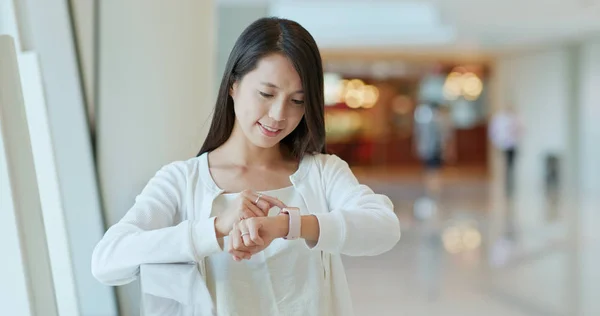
262, 209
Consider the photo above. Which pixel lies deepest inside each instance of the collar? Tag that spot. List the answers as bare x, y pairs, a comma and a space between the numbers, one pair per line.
303, 168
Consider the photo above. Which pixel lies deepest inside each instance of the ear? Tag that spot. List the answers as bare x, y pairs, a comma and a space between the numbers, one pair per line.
233, 89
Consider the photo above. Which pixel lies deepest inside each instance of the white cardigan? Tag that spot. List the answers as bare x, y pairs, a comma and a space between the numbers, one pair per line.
170, 222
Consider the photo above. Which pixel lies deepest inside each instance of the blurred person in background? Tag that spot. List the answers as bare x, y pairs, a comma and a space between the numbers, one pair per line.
504, 132
433, 142
262, 210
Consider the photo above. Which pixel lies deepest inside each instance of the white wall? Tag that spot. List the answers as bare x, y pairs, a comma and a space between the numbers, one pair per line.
232, 20
84, 28
155, 96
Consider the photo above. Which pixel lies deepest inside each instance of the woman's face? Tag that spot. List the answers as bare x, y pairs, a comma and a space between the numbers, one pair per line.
268, 101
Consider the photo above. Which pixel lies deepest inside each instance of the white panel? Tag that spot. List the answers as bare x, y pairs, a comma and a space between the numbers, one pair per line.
589, 129
26, 286
14, 297
53, 42
43, 156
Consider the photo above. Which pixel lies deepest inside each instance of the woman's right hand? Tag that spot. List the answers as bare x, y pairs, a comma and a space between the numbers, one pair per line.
244, 207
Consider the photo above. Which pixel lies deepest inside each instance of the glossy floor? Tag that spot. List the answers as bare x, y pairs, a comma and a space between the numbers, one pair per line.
470, 251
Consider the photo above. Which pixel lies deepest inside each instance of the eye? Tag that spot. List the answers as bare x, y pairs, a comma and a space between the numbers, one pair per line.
265, 95
298, 102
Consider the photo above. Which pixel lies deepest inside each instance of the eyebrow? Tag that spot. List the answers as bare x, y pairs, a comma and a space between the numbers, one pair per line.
271, 85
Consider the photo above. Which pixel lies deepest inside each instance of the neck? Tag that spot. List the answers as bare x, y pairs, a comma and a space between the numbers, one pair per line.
240, 151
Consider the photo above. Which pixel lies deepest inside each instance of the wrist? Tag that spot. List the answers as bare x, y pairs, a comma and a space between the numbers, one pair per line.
310, 228
294, 222
282, 223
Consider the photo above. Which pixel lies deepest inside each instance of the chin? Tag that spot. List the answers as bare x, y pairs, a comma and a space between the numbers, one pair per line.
263, 143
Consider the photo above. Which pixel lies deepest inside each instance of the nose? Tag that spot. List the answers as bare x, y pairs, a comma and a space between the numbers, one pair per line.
277, 111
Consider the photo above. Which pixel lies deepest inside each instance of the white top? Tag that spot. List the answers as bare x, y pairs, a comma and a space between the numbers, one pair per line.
504, 130
284, 279
171, 222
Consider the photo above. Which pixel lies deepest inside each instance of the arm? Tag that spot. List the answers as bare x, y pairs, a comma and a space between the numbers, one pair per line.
360, 222
310, 229
149, 232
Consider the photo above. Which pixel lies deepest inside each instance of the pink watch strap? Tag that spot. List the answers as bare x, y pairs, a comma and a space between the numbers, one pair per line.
294, 226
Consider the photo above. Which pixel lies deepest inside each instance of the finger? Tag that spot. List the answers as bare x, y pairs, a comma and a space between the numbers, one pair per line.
239, 255
254, 238
252, 197
248, 241
230, 243
247, 253
249, 195
245, 236
263, 205
254, 209
273, 201
235, 237
246, 213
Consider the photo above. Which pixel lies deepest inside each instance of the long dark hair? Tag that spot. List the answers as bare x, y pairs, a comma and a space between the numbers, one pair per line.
263, 37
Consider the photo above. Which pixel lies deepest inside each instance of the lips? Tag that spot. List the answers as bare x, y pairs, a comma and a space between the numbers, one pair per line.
269, 131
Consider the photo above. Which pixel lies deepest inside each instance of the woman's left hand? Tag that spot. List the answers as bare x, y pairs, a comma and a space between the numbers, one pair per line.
253, 235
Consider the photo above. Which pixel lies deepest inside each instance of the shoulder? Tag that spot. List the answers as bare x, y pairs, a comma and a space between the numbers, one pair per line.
180, 169
333, 173
328, 163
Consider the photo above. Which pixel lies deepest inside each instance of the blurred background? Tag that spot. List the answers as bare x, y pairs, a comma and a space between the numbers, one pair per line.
479, 118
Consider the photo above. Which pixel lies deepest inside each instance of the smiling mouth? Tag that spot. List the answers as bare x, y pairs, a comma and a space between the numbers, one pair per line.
269, 131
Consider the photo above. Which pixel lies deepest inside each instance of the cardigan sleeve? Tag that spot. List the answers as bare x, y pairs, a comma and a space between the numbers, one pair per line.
359, 222
151, 232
